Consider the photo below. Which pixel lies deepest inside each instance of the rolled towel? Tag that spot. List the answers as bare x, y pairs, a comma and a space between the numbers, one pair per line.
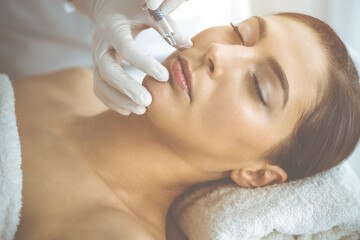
10, 162
325, 206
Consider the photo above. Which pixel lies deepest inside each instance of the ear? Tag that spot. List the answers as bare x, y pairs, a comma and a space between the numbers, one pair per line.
252, 177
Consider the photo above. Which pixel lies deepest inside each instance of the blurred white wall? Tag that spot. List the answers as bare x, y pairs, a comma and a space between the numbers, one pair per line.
38, 36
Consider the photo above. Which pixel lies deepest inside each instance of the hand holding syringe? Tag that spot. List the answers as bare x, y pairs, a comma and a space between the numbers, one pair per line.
115, 23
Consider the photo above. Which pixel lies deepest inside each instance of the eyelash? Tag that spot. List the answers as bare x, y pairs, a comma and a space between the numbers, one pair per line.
236, 30
255, 81
257, 89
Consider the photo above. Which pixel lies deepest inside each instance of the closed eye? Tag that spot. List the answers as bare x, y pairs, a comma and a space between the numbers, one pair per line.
238, 33
257, 90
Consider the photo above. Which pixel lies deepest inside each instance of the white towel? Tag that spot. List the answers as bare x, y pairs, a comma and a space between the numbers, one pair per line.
325, 206
10, 161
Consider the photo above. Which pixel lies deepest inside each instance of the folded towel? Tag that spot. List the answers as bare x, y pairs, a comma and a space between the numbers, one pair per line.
10, 161
325, 206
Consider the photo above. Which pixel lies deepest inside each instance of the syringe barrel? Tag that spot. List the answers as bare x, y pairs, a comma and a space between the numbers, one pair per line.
163, 25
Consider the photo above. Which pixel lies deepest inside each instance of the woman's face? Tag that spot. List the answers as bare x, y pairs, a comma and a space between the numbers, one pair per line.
248, 88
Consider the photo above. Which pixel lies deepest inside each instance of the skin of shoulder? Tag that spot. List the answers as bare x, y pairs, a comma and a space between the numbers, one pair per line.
100, 224
106, 224
41, 97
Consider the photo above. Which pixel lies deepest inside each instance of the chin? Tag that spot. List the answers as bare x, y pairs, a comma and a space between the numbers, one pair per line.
168, 103
159, 112
160, 91
161, 95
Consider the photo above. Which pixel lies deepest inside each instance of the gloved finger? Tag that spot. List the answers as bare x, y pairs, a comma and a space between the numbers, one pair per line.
97, 37
182, 40
170, 5
115, 76
98, 92
99, 45
110, 104
154, 4
127, 48
114, 99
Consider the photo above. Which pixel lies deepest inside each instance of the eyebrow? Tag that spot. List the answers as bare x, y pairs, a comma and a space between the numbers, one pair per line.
262, 27
275, 66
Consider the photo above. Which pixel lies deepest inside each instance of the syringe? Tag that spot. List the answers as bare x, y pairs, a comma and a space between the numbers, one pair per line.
163, 25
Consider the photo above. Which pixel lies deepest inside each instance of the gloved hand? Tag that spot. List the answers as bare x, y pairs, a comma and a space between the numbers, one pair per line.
117, 22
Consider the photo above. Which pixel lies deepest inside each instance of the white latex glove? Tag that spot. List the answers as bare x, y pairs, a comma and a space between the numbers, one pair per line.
117, 22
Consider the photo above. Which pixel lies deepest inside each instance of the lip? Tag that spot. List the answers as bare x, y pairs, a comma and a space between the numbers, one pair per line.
181, 75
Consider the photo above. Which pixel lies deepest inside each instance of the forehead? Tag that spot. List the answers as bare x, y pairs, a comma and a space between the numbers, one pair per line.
299, 51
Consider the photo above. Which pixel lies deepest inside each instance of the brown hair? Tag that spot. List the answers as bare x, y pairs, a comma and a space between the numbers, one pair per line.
328, 133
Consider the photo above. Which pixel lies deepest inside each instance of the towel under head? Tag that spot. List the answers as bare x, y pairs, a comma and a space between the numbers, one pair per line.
325, 206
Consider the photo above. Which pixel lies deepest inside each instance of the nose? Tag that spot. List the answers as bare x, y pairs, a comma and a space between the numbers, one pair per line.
213, 59
220, 56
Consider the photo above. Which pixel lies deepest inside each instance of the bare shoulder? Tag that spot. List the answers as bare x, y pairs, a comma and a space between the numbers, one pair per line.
100, 224
69, 83
76, 76
64, 91
106, 224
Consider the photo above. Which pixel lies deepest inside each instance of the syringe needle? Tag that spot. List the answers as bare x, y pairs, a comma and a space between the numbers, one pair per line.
180, 55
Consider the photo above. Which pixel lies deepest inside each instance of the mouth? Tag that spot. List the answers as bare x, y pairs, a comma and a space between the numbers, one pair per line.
181, 75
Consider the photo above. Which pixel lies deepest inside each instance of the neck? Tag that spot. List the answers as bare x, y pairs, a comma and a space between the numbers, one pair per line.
138, 164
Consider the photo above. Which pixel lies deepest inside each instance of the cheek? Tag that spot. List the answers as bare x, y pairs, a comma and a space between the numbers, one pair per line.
233, 116
218, 121
226, 112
